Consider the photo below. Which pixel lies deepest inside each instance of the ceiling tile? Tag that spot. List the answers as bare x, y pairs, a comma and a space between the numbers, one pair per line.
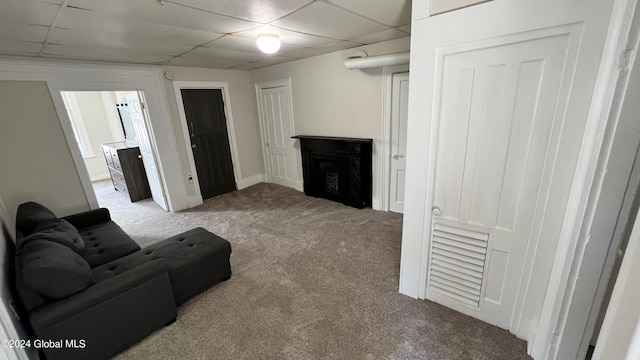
235, 43
288, 37
168, 14
405, 28
14, 47
268, 62
341, 45
383, 35
319, 50
27, 12
103, 53
247, 45
389, 12
55, 2
215, 58
129, 30
210, 33
254, 10
247, 67
76, 38
326, 20
23, 32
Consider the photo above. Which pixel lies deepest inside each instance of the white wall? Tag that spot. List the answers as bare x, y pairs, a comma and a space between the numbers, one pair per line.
10, 326
98, 124
243, 108
330, 100
35, 159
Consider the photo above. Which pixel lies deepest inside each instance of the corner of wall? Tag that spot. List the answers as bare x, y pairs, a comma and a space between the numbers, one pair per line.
249, 181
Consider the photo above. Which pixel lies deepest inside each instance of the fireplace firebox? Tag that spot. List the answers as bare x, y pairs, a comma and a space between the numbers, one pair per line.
337, 168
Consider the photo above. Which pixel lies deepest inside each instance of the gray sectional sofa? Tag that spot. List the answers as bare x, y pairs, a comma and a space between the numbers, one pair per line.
88, 290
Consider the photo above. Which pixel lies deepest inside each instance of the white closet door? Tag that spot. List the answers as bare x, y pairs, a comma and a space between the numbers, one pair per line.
399, 110
496, 139
276, 121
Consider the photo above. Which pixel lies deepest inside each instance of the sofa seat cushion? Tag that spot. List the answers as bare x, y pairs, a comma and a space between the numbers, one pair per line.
119, 266
59, 231
54, 270
105, 242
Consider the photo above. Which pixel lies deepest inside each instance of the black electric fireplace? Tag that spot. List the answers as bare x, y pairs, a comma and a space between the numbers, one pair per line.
337, 168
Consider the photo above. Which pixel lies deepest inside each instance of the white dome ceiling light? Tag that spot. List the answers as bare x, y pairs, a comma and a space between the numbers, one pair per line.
268, 43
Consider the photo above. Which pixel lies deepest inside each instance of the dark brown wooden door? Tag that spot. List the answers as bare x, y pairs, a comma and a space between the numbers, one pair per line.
204, 109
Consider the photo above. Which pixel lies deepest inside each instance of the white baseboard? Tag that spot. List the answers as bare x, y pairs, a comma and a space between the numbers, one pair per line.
249, 181
376, 204
194, 201
299, 186
100, 177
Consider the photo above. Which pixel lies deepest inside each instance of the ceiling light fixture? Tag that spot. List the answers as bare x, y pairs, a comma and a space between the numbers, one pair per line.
268, 43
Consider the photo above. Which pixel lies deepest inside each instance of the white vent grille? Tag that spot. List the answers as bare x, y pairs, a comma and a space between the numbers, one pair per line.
457, 263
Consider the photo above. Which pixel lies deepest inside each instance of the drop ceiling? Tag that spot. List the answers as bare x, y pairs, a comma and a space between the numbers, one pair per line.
203, 33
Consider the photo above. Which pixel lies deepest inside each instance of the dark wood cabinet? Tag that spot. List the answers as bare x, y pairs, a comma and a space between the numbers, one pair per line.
127, 171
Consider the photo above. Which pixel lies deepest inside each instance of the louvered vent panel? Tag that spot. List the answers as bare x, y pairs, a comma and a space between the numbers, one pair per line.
457, 262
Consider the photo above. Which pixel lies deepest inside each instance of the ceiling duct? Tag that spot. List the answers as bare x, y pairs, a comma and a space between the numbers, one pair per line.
365, 62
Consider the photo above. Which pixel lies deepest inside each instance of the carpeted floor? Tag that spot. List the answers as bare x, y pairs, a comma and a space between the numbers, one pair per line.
312, 279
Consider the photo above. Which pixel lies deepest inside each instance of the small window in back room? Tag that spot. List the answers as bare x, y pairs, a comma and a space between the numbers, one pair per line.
77, 123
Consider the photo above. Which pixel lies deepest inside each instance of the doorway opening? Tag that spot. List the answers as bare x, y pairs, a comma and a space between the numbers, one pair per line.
110, 129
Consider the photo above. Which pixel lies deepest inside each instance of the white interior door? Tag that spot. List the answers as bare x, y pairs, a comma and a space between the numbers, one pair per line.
497, 113
146, 149
277, 130
399, 110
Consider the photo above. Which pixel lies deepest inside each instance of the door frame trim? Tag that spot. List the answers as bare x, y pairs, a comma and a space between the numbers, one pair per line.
235, 159
297, 157
577, 285
385, 136
92, 77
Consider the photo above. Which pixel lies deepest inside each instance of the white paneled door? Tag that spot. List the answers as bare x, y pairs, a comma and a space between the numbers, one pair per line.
399, 109
277, 129
497, 110
146, 150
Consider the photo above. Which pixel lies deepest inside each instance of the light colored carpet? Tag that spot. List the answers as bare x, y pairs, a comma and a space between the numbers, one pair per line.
312, 279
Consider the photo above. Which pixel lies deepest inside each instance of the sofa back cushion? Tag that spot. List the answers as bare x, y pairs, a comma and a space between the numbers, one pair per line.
54, 270
30, 214
59, 231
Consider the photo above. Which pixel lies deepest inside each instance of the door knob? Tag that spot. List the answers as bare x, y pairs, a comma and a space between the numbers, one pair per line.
140, 156
396, 157
194, 146
436, 211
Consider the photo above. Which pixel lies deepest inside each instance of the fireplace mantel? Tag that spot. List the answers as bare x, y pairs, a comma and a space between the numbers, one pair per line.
337, 168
